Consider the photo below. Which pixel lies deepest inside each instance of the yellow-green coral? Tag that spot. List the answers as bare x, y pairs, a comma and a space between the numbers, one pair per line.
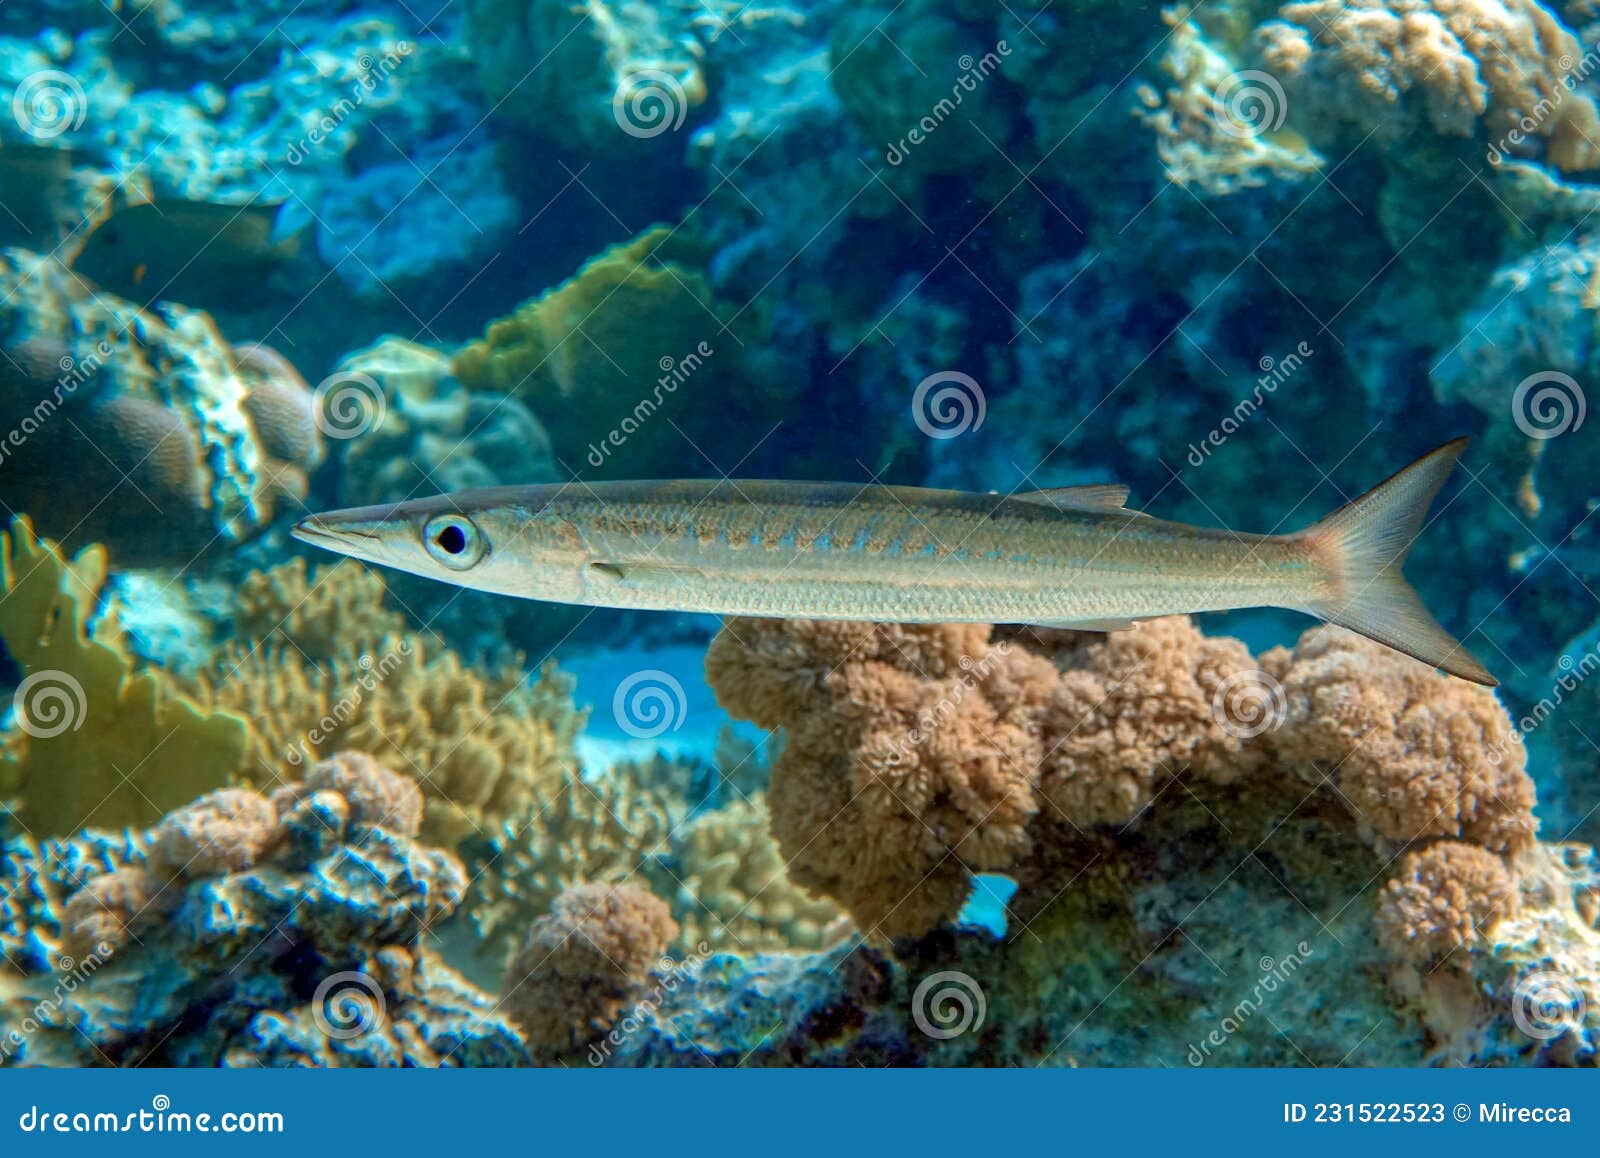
96, 742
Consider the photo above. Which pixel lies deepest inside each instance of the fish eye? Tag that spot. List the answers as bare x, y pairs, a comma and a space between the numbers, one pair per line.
453, 540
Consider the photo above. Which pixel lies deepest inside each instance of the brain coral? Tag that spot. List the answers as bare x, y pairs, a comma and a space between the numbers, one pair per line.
210, 437
1386, 65
581, 965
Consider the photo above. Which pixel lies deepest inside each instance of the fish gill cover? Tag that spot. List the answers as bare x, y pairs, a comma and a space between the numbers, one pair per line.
264, 261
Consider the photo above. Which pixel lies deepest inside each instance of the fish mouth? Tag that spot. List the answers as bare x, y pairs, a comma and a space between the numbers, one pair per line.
314, 530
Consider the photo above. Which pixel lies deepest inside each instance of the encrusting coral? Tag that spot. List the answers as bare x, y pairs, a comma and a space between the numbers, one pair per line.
582, 964
608, 70
432, 434
615, 343
291, 931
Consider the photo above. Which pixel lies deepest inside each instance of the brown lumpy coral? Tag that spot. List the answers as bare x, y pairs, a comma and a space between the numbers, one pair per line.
1441, 899
1458, 63
1415, 755
103, 916
1133, 708
916, 756
582, 964
375, 795
223, 831
898, 777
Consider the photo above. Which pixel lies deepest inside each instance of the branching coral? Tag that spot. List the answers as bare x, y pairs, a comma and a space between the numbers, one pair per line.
606, 831
582, 963
733, 890
338, 612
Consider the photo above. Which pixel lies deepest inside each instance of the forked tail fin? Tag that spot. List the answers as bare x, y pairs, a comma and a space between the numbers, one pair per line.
1364, 545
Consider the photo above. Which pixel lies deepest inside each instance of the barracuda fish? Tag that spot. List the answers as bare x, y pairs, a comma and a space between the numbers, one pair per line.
1069, 557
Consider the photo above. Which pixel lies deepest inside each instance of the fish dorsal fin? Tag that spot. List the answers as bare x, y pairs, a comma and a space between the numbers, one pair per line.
1094, 497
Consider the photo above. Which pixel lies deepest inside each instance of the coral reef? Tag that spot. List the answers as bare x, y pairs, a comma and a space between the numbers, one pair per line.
432, 434
916, 756
598, 356
291, 933
146, 430
1463, 67
582, 963
98, 743
597, 73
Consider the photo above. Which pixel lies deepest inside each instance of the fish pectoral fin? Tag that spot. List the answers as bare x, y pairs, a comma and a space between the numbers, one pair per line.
1094, 497
1089, 624
636, 573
